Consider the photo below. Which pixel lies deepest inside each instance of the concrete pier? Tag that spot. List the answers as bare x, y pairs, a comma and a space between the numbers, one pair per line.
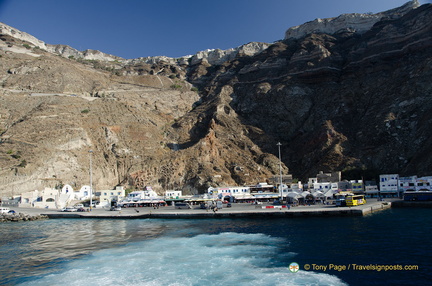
412, 204
240, 210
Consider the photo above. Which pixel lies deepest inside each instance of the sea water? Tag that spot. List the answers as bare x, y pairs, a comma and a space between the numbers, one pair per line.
218, 251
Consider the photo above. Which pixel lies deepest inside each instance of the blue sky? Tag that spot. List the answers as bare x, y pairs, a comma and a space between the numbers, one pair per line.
174, 28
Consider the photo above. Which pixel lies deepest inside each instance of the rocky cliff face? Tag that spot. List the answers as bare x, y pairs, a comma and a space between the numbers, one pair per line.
357, 23
346, 101
139, 117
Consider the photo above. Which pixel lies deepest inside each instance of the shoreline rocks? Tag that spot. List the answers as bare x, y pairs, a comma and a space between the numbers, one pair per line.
21, 217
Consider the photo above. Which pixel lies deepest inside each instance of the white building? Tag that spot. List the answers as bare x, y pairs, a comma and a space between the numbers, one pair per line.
237, 192
84, 193
171, 194
407, 183
357, 186
147, 196
311, 182
323, 187
261, 191
295, 187
371, 190
47, 198
109, 197
424, 184
28, 198
413, 183
67, 189
389, 185
265, 192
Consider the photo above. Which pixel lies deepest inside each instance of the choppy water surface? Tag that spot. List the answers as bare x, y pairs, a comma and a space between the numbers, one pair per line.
216, 252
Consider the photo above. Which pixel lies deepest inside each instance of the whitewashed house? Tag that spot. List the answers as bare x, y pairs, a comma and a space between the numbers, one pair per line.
84, 193
110, 197
389, 185
371, 190
171, 194
47, 198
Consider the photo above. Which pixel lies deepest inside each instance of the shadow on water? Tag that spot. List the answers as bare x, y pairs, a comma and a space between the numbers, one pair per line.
395, 236
42, 246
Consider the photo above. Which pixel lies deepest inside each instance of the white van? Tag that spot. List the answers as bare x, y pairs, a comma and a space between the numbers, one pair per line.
219, 204
4, 210
182, 206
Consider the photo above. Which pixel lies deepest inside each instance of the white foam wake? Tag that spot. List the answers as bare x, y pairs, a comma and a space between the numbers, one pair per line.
220, 259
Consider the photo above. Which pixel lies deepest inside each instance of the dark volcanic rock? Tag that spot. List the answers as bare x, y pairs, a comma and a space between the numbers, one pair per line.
343, 101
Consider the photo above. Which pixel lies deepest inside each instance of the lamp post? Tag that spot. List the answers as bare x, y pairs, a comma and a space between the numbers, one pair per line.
91, 180
280, 170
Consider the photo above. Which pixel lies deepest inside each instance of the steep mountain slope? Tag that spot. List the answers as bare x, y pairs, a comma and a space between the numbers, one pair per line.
350, 98
341, 101
55, 109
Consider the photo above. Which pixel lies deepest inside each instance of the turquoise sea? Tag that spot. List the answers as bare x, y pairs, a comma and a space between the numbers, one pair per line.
391, 247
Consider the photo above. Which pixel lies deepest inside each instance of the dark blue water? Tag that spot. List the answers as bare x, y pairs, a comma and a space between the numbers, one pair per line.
220, 251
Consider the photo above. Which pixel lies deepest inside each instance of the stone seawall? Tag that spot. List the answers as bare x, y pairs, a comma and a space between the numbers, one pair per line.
412, 204
21, 217
235, 212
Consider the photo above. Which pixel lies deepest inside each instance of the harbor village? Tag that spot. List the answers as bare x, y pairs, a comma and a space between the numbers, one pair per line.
325, 194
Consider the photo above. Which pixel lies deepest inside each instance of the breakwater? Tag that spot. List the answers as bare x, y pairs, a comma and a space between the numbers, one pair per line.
237, 211
412, 204
21, 217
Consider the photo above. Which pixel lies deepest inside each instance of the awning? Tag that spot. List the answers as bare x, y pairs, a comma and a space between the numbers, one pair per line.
174, 200
143, 202
318, 194
266, 196
294, 195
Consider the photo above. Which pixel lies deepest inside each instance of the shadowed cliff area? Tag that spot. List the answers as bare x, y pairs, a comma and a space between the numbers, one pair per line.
350, 101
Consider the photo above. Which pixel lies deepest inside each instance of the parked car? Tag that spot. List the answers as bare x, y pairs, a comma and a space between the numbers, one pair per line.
182, 206
69, 209
12, 212
228, 205
81, 210
114, 208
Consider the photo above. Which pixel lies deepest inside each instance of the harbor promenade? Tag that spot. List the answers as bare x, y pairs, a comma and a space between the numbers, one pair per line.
238, 210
